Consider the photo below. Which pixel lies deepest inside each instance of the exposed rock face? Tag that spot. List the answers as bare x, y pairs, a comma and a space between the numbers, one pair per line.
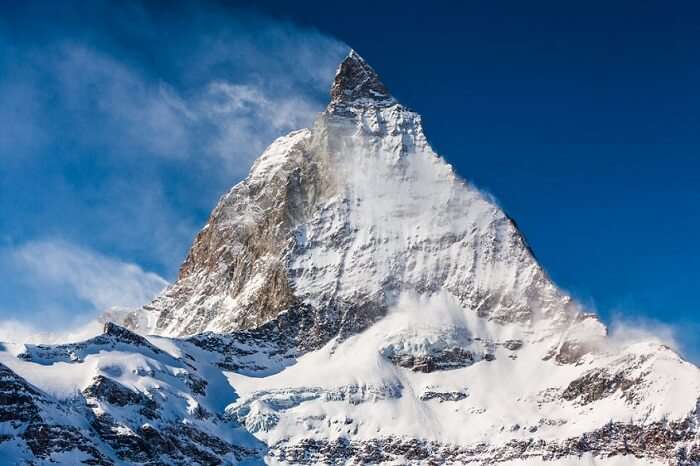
113, 338
18, 398
449, 358
634, 444
598, 384
443, 396
104, 389
352, 301
357, 82
38, 426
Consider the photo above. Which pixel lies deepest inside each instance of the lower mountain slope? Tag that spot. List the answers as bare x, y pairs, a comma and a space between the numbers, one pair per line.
116, 399
404, 391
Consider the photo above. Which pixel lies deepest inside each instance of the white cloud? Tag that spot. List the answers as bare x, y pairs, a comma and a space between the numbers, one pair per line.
22, 332
251, 102
140, 219
121, 109
102, 281
64, 275
117, 106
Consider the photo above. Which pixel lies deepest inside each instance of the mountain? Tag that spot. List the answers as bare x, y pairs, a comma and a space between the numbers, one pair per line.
353, 301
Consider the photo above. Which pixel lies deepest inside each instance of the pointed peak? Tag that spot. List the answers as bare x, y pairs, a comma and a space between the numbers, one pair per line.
355, 80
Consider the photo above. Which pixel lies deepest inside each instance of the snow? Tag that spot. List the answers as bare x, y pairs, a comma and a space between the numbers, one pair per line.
502, 394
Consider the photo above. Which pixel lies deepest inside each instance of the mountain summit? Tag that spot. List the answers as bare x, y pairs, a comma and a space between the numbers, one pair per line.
340, 222
357, 81
353, 301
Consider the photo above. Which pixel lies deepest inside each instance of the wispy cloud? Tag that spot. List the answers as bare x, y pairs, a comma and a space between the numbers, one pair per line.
72, 287
22, 332
628, 325
101, 281
246, 116
227, 90
114, 107
123, 125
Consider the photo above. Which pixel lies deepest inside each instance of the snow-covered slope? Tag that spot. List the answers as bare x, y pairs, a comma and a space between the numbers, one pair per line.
353, 301
117, 398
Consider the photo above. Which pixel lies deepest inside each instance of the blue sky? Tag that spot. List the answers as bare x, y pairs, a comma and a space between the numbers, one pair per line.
123, 123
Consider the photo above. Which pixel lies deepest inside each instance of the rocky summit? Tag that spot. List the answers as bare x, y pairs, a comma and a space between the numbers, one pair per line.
353, 301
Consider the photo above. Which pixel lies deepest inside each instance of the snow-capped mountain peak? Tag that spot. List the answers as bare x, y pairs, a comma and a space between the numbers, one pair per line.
348, 217
353, 301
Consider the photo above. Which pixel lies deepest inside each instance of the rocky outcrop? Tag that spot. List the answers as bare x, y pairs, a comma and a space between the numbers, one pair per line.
143, 406
449, 358
104, 389
18, 399
112, 338
443, 396
598, 384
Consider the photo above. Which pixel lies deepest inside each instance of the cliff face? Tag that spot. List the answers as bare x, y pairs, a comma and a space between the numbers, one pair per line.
353, 301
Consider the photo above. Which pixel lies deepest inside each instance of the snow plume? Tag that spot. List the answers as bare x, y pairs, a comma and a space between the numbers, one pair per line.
248, 116
72, 286
627, 328
429, 316
625, 331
